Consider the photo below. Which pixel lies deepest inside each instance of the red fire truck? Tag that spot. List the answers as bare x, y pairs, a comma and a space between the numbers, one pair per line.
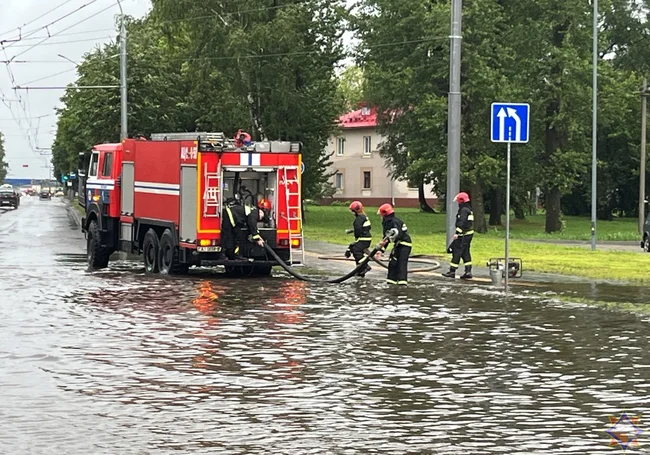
163, 198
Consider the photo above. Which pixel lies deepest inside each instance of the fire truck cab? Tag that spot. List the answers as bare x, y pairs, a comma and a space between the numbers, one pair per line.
165, 199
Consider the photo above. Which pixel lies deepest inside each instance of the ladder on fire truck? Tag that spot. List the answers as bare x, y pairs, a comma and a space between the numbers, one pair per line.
212, 185
294, 213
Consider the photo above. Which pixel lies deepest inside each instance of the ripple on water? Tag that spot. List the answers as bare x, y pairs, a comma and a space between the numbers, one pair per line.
128, 363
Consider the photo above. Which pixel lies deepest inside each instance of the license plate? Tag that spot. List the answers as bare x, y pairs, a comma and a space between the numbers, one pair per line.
208, 249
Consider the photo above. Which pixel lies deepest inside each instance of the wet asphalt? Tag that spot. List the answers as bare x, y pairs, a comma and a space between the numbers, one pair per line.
119, 362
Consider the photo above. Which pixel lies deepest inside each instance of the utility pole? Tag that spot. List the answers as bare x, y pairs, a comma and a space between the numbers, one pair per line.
454, 117
594, 126
644, 95
124, 131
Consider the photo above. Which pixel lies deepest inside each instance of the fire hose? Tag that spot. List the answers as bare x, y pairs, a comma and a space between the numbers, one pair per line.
362, 264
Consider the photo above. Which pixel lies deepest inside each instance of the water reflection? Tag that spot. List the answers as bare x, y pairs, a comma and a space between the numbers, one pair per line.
209, 365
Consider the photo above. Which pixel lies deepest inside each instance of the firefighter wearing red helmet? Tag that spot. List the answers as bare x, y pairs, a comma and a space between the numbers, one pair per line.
239, 223
362, 237
462, 238
264, 206
395, 231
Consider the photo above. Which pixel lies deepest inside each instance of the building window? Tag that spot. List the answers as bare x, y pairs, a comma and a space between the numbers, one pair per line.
367, 145
340, 146
365, 110
367, 180
108, 165
338, 181
94, 162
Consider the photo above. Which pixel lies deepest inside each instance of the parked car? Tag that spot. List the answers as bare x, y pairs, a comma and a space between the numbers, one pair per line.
9, 197
645, 243
45, 194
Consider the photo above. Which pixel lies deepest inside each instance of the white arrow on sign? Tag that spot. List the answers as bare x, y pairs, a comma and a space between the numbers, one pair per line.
513, 113
502, 124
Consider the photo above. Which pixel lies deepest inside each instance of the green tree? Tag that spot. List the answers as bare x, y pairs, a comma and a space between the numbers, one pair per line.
265, 68
158, 96
351, 87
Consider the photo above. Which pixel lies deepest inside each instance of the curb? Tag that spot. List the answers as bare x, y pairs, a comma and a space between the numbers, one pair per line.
73, 214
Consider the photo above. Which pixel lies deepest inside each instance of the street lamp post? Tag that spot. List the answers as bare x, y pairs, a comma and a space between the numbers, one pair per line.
454, 117
124, 124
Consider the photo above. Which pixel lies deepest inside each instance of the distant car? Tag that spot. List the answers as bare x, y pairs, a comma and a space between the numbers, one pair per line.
9, 197
45, 194
645, 243
59, 194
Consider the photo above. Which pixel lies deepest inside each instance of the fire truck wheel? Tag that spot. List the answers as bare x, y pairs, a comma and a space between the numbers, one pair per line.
97, 256
168, 262
150, 251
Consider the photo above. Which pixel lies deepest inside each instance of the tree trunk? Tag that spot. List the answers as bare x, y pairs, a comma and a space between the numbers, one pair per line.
496, 208
520, 214
424, 206
553, 210
478, 208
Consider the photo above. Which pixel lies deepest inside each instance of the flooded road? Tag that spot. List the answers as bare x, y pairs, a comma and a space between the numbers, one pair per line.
117, 362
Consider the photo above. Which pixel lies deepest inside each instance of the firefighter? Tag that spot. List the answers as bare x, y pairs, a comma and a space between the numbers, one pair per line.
242, 138
264, 205
395, 231
462, 238
362, 236
237, 221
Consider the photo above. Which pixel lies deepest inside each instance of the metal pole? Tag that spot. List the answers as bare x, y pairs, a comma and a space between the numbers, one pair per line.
643, 156
124, 128
454, 118
594, 126
507, 267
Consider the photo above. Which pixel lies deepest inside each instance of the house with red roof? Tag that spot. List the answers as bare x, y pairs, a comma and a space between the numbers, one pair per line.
359, 173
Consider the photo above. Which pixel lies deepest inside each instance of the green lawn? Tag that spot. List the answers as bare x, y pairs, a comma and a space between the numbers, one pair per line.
428, 233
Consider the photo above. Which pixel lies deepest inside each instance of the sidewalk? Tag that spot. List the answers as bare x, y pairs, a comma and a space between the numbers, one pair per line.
316, 248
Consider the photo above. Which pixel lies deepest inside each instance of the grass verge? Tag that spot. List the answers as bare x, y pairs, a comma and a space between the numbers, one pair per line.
428, 232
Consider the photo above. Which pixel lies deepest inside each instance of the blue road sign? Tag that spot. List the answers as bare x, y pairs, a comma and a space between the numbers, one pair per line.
510, 122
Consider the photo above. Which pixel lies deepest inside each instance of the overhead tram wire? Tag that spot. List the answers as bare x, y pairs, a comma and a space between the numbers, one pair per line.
45, 27
82, 40
5, 45
21, 101
39, 17
85, 32
67, 28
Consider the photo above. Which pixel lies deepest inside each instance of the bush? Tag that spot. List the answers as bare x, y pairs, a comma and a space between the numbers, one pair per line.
340, 203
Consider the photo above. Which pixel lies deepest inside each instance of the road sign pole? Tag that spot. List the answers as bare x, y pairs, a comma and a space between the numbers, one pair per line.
642, 169
594, 126
507, 267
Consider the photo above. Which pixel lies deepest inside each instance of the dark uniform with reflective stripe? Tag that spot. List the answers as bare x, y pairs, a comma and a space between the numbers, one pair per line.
237, 222
399, 256
362, 237
465, 232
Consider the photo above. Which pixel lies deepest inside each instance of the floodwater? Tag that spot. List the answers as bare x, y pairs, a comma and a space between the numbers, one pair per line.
117, 362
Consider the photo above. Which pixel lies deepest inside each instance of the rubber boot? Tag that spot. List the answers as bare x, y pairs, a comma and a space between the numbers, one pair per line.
364, 271
468, 273
451, 273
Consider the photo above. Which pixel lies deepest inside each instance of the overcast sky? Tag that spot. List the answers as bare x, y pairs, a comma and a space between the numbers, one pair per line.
75, 29
27, 117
